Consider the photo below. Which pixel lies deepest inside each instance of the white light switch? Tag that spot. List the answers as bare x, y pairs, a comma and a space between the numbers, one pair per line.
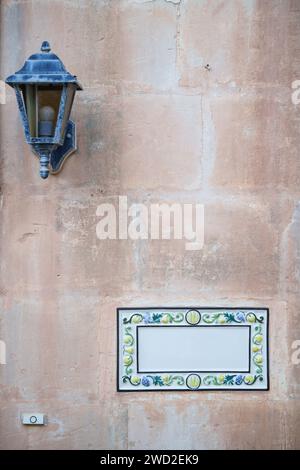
33, 418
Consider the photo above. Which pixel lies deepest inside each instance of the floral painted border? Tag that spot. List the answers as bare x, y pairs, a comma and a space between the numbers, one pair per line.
129, 379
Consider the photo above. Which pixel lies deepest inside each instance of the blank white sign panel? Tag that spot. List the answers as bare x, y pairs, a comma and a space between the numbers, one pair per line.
180, 348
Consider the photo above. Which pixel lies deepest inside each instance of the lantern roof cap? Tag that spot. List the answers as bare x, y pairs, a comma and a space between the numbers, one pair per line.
43, 67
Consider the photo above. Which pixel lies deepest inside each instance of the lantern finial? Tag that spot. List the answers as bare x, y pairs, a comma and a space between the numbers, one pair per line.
45, 47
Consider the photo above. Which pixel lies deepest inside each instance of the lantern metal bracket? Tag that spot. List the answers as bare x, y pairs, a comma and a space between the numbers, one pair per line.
58, 156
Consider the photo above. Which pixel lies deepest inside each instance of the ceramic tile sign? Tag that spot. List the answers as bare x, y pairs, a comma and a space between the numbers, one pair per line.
192, 349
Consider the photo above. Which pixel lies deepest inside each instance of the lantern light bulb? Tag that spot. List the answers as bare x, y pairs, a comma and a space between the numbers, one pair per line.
46, 113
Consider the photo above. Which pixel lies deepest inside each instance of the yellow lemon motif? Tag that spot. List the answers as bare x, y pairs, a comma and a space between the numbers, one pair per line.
128, 339
127, 360
129, 350
255, 348
221, 378
248, 379
193, 381
250, 318
135, 380
258, 358
193, 317
136, 319
221, 319
165, 319
258, 338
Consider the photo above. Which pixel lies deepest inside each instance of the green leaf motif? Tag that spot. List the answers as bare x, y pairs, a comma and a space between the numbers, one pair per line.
179, 379
229, 379
157, 380
207, 318
156, 317
210, 380
229, 317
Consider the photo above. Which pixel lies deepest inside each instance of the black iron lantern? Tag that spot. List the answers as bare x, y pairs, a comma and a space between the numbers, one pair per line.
45, 92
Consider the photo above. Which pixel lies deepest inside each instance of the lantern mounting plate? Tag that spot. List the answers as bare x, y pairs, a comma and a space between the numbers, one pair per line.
62, 152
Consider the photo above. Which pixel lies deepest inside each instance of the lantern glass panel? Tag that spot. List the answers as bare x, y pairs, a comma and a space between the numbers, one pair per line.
30, 102
48, 106
42, 106
71, 88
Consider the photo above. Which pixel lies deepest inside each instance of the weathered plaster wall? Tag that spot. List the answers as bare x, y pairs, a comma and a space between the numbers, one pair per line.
155, 125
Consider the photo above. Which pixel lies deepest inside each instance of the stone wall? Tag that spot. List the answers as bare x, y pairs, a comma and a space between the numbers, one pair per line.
156, 125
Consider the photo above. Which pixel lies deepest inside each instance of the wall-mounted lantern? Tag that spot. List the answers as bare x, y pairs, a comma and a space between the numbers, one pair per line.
45, 92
